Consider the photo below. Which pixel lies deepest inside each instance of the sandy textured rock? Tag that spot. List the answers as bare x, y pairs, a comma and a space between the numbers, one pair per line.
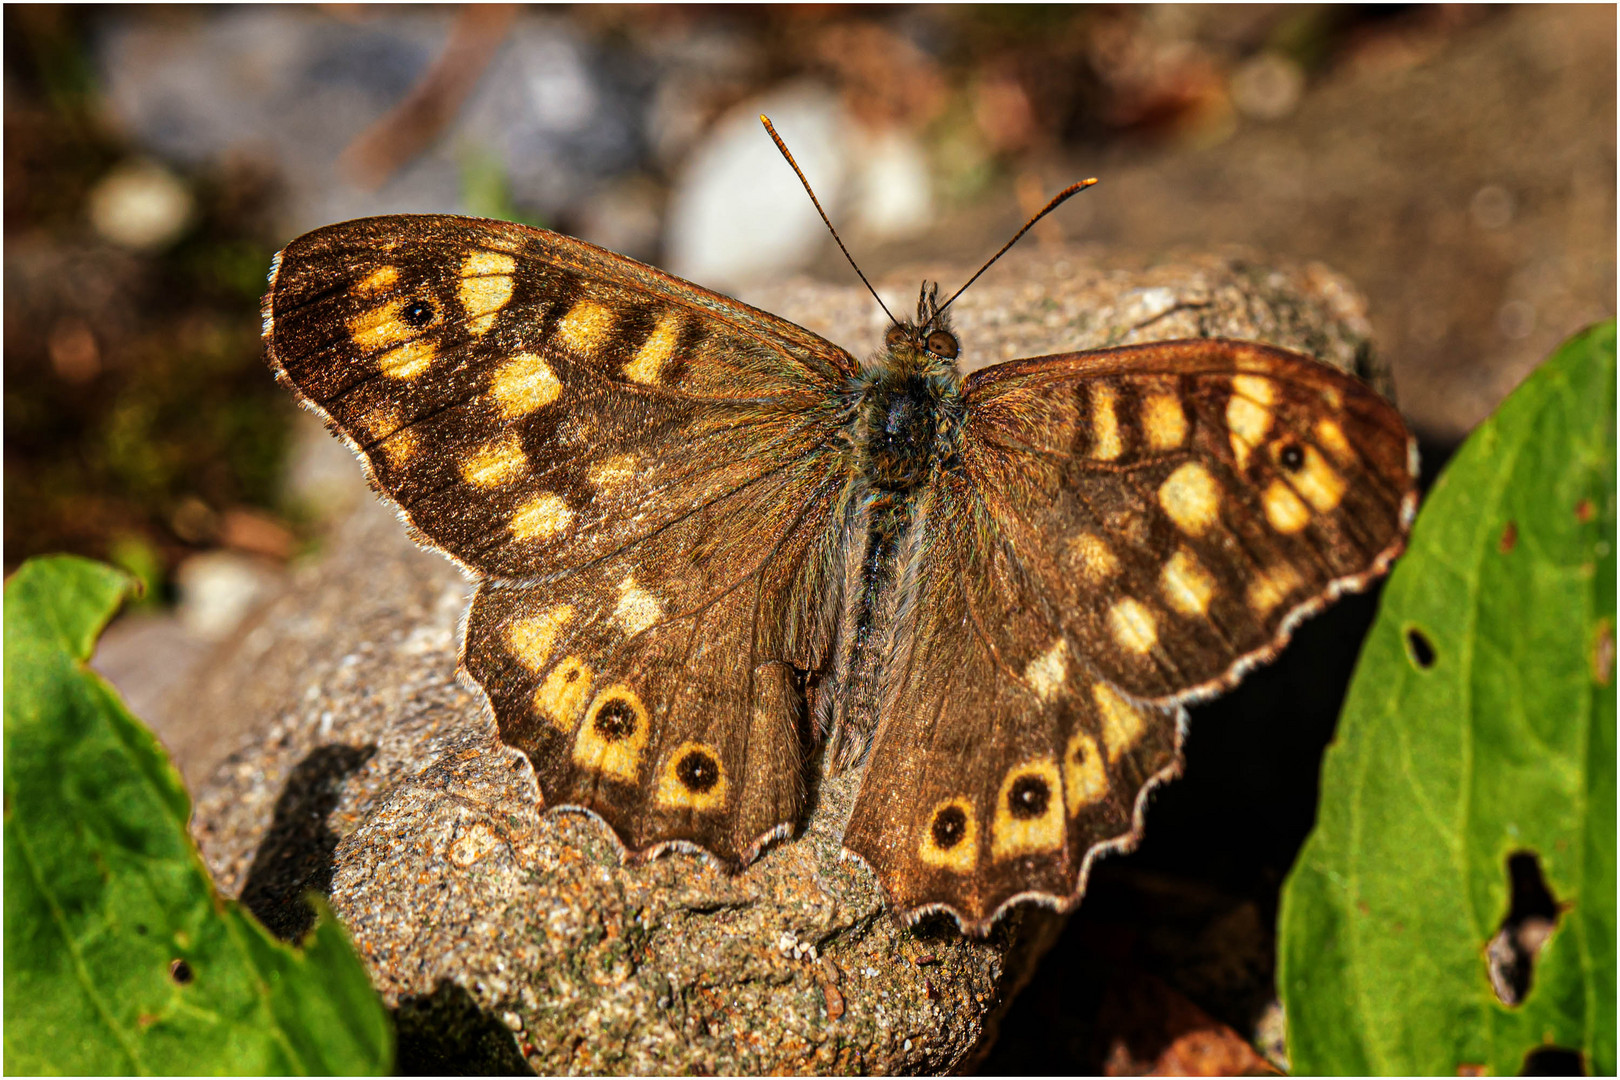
510, 939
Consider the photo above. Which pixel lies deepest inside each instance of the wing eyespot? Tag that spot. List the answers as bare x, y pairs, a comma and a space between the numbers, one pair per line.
417, 314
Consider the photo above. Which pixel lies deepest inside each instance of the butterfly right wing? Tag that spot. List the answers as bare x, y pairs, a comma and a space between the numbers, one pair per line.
646, 475
1124, 531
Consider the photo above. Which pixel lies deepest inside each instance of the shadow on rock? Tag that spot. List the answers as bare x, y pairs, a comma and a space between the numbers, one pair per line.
296, 855
445, 1033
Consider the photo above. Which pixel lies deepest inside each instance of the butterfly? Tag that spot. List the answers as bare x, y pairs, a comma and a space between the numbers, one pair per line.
714, 552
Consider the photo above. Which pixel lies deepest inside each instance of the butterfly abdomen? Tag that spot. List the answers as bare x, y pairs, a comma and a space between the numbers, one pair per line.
905, 431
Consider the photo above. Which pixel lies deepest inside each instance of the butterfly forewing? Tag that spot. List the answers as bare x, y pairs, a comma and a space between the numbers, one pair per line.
643, 472
1182, 502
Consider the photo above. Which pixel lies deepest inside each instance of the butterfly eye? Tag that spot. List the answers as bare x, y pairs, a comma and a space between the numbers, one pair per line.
896, 336
942, 343
417, 314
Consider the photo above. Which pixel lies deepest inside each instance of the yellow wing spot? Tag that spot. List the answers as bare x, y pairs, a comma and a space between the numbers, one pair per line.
495, 463
1322, 487
656, 351
1186, 585
1122, 722
1247, 416
398, 444
380, 327
409, 360
485, 289
532, 639
1047, 673
487, 263
1331, 437
1271, 588
587, 327
1094, 558
1029, 810
614, 733
523, 384
1132, 625
950, 837
610, 471
1105, 444
692, 779
379, 280
1284, 509
1085, 781
1192, 498
561, 698
637, 609
1164, 420
541, 517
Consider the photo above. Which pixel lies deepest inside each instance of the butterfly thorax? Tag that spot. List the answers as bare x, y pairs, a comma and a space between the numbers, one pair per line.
906, 431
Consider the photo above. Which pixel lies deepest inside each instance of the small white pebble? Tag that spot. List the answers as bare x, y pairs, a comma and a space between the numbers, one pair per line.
515, 1022
908, 1044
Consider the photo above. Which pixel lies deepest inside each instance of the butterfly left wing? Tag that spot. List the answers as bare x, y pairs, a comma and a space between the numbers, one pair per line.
643, 474
1127, 530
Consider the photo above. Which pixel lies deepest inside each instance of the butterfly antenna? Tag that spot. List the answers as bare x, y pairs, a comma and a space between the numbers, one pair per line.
1058, 200
780, 145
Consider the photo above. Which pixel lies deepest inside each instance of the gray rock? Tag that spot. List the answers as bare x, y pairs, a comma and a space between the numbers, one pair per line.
506, 938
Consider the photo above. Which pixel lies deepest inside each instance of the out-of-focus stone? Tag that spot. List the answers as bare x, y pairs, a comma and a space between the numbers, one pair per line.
140, 205
505, 937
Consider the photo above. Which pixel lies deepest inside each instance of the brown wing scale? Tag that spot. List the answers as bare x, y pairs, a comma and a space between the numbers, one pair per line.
644, 473
1130, 529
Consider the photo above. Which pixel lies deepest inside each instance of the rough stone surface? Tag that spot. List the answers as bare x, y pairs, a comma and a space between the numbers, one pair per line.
353, 762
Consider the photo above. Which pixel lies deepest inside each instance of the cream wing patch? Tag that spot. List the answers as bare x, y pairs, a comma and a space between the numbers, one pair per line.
543, 516
637, 609
524, 384
1047, 673
659, 348
495, 463
1105, 440
1186, 585
486, 288
1133, 625
1248, 414
1192, 498
587, 327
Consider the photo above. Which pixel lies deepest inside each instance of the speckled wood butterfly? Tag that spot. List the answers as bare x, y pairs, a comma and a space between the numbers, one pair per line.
713, 548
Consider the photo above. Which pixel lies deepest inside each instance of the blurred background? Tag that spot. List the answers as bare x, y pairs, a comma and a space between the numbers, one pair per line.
1458, 163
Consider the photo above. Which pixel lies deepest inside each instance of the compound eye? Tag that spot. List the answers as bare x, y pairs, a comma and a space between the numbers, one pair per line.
896, 336
942, 343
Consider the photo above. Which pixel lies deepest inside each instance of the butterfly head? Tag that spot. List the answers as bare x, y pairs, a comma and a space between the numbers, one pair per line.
927, 342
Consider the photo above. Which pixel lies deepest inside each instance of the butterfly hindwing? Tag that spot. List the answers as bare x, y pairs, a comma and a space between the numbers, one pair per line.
1128, 529
1003, 759
642, 474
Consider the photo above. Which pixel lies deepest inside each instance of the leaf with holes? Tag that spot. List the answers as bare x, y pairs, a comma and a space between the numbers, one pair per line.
119, 955
1479, 732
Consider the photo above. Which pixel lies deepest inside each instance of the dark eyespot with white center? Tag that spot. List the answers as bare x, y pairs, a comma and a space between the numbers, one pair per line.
949, 826
616, 720
417, 314
697, 771
1028, 797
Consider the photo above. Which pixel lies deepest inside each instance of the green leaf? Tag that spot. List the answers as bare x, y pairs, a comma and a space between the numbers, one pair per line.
119, 955
1503, 743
